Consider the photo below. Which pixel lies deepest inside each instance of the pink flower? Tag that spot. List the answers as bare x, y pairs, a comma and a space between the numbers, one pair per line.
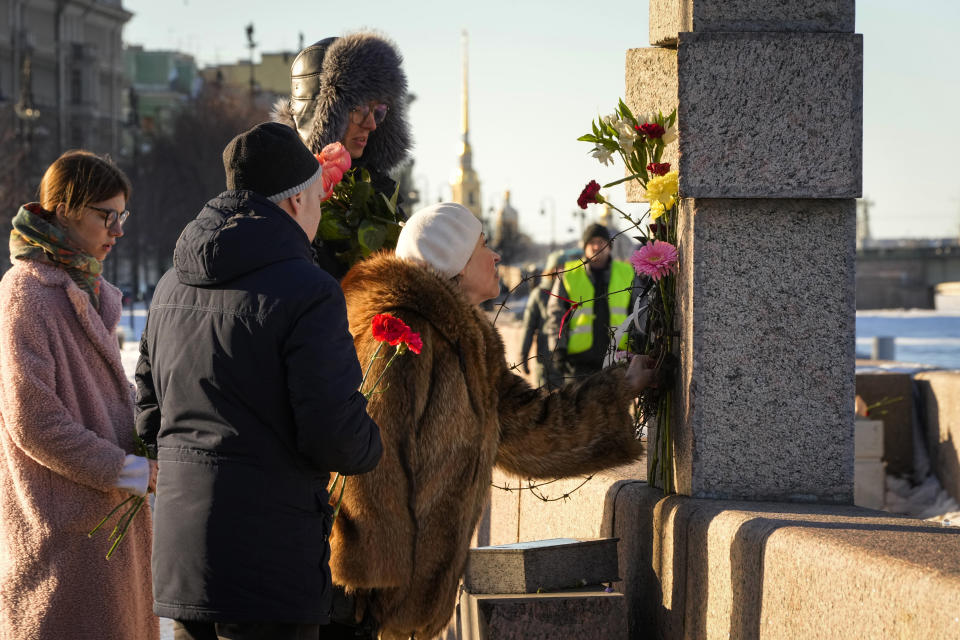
655, 259
335, 160
589, 195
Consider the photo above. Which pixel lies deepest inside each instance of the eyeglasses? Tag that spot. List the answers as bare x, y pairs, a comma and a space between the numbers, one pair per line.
358, 115
111, 217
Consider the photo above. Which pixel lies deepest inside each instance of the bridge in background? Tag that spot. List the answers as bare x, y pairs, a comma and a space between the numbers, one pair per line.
904, 277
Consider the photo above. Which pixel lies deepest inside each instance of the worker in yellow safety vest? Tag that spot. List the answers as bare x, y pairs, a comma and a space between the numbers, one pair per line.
605, 290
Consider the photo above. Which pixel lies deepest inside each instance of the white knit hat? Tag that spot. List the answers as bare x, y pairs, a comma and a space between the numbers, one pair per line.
442, 235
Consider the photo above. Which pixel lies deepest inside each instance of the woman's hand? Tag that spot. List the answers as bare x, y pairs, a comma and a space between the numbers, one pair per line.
640, 374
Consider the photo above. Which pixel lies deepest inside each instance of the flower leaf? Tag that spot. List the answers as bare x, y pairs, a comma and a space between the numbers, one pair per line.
333, 228
625, 110
616, 182
370, 236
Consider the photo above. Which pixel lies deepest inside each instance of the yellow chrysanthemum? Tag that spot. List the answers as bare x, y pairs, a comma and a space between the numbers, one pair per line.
657, 209
663, 189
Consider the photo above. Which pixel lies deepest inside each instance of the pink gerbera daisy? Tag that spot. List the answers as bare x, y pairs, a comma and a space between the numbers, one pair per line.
655, 259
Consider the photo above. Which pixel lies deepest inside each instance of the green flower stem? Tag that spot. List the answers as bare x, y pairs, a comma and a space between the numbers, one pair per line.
138, 504
343, 486
333, 483
376, 354
376, 384
109, 515
623, 214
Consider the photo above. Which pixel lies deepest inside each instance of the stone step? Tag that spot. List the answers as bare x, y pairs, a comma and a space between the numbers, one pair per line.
548, 565
584, 614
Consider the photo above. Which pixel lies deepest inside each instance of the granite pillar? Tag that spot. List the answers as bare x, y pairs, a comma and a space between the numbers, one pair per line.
769, 102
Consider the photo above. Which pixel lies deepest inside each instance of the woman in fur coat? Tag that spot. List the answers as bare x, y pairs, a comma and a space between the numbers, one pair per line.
447, 416
66, 420
352, 90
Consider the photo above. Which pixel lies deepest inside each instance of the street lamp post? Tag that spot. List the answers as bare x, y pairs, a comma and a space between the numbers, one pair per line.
553, 219
251, 45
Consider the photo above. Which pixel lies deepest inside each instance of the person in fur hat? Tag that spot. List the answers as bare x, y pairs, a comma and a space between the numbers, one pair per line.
352, 90
448, 416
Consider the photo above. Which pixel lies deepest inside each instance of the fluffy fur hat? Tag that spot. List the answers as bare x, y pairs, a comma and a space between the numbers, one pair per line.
357, 68
442, 235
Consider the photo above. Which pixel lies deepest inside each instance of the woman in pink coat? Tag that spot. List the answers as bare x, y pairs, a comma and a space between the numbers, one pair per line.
66, 419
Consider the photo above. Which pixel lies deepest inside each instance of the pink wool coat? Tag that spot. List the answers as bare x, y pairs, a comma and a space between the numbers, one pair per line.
66, 423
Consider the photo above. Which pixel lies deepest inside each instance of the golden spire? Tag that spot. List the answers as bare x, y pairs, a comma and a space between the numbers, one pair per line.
464, 185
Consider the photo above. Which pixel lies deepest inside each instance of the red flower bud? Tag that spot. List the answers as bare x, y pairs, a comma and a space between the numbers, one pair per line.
651, 130
589, 195
659, 168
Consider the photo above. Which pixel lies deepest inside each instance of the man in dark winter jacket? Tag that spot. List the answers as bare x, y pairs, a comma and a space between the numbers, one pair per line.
247, 391
352, 90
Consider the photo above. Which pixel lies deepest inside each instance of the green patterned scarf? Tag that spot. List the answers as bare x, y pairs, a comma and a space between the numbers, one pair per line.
36, 236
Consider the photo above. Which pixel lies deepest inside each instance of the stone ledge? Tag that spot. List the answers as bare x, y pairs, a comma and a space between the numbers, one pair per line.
669, 17
704, 568
940, 393
582, 614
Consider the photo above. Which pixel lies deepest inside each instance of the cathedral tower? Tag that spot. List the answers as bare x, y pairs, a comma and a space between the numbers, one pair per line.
464, 185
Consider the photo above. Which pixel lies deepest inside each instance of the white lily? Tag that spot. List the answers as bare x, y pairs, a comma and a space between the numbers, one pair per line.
602, 154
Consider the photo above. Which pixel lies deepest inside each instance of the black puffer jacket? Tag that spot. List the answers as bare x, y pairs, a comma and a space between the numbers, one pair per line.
247, 387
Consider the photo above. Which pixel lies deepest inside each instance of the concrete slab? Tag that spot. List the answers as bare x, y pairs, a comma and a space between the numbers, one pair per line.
770, 115
897, 416
765, 312
585, 615
651, 85
940, 393
669, 17
724, 569
541, 565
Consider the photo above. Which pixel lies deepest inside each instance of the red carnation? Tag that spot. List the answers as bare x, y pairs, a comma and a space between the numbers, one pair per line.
657, 228
659, 168
413, 341
589, 195
651, 130
387, 328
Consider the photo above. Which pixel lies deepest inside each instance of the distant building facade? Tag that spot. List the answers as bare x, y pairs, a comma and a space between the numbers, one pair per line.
160, 83
62, 69
271, 75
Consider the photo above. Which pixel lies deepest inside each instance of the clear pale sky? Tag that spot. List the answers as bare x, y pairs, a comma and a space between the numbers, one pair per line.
541, 70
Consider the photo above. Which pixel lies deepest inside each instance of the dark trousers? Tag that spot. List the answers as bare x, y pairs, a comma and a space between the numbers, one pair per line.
244, 631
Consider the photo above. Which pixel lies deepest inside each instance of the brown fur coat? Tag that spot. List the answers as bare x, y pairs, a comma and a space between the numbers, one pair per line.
447, 416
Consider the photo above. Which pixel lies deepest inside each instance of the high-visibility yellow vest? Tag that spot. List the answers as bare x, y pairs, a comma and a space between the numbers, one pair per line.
579, 287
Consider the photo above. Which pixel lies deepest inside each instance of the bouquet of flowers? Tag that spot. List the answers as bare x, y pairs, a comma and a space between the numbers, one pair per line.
639, 142
387, 330
357, 220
